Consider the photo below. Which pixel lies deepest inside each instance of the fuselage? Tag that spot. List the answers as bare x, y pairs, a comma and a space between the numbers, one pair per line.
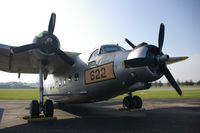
99, 76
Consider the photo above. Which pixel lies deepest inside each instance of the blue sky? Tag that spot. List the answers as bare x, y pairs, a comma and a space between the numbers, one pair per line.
83, 24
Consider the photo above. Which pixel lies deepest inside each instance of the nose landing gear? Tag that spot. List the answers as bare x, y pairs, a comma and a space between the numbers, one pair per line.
132, 102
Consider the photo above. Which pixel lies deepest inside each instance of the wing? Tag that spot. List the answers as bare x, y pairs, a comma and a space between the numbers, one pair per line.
29, 61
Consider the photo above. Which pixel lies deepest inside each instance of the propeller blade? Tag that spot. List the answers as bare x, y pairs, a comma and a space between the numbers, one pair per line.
161, 36
130, 43
171, 79
172, 60
63, 56
139, 62
52, 22
24, 48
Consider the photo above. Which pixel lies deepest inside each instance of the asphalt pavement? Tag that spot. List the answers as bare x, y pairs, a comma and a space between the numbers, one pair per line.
156, 116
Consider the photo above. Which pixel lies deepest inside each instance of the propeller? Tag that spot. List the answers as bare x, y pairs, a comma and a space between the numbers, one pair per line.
46, 43
52, 23
138, 62
171, 79
24, 48
161, 36
159, 59
175, 59
63, 56
130, 43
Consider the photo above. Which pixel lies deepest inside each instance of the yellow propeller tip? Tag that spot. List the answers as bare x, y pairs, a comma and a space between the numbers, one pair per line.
184, 58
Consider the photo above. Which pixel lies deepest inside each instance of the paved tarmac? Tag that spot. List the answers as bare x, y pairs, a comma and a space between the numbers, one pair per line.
166, 116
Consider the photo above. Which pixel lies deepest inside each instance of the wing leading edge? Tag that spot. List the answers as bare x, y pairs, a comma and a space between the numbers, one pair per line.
28, 61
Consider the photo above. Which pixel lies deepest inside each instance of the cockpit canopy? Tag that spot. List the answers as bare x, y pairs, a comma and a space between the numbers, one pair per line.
105, 49
110, 48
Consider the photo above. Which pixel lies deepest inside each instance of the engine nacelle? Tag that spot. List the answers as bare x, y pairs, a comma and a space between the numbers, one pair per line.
139, 86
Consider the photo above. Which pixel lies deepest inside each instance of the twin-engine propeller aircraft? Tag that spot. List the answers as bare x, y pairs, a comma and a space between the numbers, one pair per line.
74, 78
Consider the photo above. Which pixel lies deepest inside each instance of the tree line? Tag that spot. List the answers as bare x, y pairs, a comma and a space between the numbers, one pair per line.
183, 83
18, 85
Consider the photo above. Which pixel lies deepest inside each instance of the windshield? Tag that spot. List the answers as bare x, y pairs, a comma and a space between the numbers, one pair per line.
110, 48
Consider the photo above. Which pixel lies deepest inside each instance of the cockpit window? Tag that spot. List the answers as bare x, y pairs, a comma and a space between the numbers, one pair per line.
110, 48
105, 49
94, 55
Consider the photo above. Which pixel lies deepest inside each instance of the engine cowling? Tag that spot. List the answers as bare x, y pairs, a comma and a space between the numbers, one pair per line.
44, 41
147, 73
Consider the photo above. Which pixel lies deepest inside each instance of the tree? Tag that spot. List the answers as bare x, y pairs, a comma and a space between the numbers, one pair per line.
160, 83
191, 83
168, 83
198, 82
155, 83
186, 83
178, 82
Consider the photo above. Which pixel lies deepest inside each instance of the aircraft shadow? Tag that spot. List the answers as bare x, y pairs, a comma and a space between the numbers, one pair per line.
100, 109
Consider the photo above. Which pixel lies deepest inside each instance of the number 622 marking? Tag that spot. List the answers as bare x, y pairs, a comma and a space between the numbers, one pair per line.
101, 73
98, 74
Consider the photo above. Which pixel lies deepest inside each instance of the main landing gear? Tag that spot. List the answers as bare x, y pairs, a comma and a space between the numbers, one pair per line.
132, 102
37, 107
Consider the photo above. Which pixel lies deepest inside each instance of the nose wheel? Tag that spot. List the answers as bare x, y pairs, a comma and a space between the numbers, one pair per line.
132, 102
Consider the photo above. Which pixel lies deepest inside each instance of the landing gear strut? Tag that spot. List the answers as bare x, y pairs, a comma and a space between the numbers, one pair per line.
132, 102
37, 107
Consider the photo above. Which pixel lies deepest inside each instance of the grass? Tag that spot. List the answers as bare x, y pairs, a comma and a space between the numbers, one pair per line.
19, 94
161, 93
153, 93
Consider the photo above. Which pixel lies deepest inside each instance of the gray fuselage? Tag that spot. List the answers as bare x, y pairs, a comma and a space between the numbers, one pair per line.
71, 85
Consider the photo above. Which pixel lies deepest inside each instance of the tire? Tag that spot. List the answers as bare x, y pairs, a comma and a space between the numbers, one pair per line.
48, 108
128, 102
34, 109
139, 102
